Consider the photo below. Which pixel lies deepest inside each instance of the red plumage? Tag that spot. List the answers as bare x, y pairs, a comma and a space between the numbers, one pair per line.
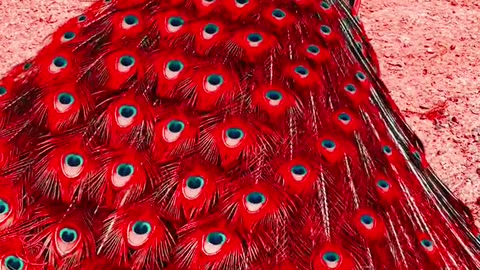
207, 134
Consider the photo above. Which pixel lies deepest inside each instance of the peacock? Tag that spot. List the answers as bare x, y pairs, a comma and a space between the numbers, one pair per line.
217, 135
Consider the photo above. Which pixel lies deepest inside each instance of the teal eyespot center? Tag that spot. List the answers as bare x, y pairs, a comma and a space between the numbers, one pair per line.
328, 144
387, 149
68, 235
215, 79
125, 169
325, 5
299, 170
382, 184
27, 66
301, 70
314, 49
216, 238
211, 29
127, 111
4, 207
426, 243
331, 257
69, 35
256, 198
175, 126
142, 227
131, 20
360, 75
235, 133
417, 155
176, 21
350, 88
14, 263
82, 18
195, 182
344, 117
274, 95
60, 62
254, 37
278, 13
242, 2
65, 99
127, 61
3, 90
175, 66
74, 160
325, 29
366, 219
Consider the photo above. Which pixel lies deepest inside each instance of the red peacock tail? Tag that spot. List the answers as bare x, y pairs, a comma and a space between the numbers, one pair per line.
207, 134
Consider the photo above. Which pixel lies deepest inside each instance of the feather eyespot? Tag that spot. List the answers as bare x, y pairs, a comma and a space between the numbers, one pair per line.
331, 259
13, 263
122, 175
125, 63
58, 64
63, 102
313, 49
139, 233
324, 5
81, 18
67, 240
325, 30
302, 71
193, 187
427, 245
4, 210
350, 88
241, 3
3, 90
210, 30
329, 145
68, 36
279, 14
72, 165
233, 137
274, 97
383, 185
173, 131
213, 243
126, 115
27, 66
129, 21
254, 201
299, 172
387, 150
367, 221
360, 76
173, 69
175, 23
254, 39
213, 82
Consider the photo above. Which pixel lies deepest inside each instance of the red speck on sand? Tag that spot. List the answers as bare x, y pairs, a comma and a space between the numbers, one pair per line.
429, 54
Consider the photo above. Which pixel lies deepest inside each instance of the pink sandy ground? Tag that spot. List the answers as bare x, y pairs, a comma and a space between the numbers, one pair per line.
430, 59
